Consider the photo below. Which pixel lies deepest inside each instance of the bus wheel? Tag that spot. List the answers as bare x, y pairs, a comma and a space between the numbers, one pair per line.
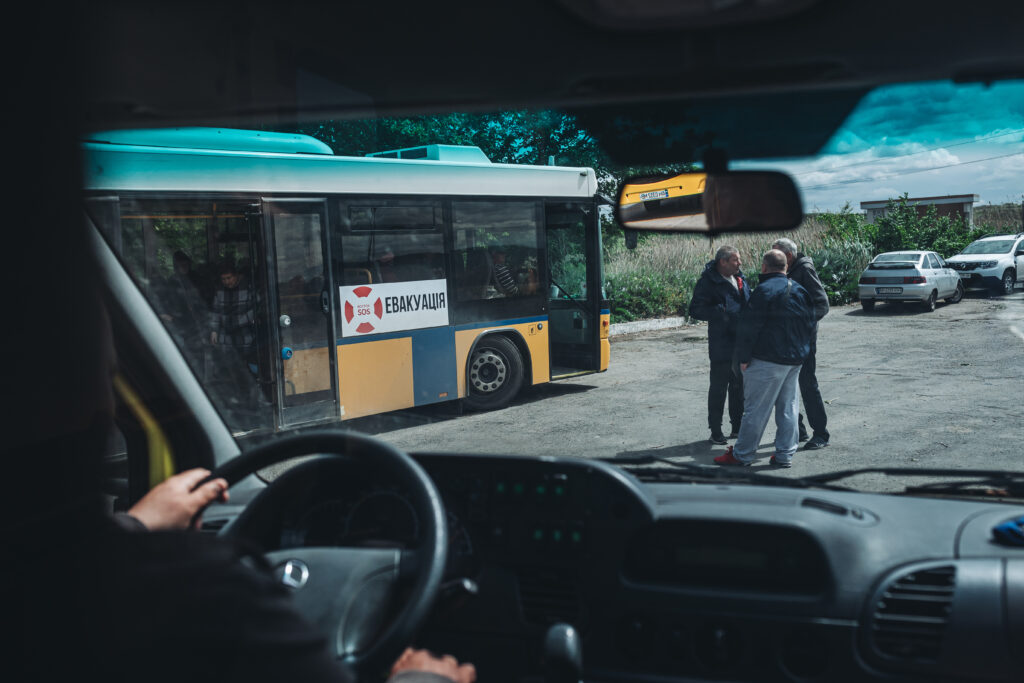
495, 373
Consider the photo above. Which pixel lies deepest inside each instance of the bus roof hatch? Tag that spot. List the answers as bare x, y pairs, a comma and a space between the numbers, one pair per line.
460, 153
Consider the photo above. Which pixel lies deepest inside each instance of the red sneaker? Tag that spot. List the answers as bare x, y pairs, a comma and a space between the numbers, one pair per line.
729, 459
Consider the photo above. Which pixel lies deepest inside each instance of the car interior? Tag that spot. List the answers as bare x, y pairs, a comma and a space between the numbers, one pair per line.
533, 568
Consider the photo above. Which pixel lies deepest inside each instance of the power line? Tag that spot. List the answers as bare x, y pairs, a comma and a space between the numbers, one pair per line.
922, 151
920, 170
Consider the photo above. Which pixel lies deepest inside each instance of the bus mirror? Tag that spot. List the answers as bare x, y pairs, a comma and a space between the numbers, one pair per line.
732, 201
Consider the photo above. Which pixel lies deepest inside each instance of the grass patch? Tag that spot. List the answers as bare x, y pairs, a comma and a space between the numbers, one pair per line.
657, 278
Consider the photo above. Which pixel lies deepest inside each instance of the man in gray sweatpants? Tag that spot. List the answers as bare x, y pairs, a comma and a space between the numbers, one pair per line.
773, 339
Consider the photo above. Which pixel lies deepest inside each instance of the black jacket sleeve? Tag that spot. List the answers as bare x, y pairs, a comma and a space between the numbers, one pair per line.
809, 280
705, 305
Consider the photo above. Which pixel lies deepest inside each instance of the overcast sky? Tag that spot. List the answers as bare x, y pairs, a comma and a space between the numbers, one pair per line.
925, 140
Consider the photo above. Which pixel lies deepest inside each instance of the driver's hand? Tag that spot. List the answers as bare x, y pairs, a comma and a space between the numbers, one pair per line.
422, 660
173, 504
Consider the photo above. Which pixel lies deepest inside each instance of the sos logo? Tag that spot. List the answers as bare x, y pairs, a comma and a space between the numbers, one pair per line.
363, 310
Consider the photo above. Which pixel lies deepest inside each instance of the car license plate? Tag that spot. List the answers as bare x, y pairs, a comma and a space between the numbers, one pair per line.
965, 276
653, 194
889, 290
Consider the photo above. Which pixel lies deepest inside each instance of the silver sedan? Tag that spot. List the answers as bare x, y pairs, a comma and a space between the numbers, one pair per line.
918, 276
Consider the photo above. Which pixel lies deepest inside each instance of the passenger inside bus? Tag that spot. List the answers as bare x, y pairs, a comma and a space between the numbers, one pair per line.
529, 281
233, 314
184, 309
501, 275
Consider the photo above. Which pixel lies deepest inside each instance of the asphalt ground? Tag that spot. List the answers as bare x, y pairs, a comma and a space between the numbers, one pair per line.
903, 388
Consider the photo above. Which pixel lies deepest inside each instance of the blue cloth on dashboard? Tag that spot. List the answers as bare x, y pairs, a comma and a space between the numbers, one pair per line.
1010, 533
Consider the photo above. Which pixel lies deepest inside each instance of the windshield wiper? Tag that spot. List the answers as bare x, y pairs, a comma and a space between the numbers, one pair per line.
986, 483
649, 468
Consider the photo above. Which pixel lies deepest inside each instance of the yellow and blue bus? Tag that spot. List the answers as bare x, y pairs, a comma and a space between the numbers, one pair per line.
304, 286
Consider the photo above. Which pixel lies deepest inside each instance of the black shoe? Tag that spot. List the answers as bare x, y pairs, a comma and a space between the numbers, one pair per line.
734, 434
816, 443
775, 462
717, 438
803, 436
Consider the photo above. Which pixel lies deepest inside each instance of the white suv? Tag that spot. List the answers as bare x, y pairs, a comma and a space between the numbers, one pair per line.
995, 262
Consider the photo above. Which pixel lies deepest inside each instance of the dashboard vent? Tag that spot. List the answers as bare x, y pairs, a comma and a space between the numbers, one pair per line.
548, 597
212, 527
911, 615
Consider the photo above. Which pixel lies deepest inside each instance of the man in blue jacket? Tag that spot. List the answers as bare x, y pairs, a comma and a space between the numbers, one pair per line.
773, 339
719, 297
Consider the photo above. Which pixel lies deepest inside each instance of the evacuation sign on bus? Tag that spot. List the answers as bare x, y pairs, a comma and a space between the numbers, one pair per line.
393, 307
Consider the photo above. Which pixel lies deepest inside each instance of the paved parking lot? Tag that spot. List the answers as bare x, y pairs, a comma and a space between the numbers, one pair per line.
903, 388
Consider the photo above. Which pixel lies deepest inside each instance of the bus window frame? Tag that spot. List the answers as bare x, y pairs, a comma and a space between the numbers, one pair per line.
471, 311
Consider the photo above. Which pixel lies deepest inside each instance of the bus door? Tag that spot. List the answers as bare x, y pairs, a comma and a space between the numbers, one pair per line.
573, 251
301, 310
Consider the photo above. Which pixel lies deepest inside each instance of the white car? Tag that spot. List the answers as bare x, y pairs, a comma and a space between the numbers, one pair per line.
995, 263
919, 276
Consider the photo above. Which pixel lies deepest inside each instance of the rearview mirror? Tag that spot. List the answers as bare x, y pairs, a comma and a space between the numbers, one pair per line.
732, 201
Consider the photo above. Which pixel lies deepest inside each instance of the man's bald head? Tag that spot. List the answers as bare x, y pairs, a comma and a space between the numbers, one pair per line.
773, 261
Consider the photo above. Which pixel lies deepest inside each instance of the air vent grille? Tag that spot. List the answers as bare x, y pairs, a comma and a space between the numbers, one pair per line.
911, 615
548, 598
213, 526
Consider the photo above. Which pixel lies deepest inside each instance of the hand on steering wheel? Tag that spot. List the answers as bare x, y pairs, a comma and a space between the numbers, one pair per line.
344, 591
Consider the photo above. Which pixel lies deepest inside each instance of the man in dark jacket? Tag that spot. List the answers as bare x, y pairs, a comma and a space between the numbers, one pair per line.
801, 269
772, 341
719, 297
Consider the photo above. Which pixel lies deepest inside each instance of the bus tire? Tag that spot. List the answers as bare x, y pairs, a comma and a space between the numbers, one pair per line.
494, 374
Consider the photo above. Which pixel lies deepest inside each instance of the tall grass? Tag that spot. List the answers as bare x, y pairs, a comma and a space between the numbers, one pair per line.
999, 217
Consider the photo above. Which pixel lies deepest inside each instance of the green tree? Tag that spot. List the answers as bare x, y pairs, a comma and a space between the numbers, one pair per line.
846, 225
904, 227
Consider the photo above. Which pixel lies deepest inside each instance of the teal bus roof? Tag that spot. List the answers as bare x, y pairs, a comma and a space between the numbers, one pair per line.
223, 160
214, 138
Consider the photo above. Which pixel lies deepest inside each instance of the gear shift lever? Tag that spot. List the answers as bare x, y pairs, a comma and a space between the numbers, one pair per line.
563, 655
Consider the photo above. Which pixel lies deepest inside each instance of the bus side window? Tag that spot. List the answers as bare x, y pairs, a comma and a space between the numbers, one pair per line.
386, 240
499, 240
478, 274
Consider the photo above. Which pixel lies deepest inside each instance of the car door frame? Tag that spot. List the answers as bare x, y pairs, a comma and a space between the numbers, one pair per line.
1018, 260
949, 277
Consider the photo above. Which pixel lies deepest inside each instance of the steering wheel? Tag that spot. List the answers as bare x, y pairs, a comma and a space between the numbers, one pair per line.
345, 591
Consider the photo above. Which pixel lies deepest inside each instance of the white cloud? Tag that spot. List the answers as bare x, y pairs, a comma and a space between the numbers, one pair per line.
830, 181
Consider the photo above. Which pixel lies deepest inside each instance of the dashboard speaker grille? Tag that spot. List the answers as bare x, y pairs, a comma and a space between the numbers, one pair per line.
910, 617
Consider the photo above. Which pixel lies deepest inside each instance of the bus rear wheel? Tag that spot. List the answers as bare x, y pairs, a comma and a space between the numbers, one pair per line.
495, 374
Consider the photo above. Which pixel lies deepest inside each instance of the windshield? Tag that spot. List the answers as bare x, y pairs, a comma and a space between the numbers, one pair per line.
458, 283
989, 247
904, 258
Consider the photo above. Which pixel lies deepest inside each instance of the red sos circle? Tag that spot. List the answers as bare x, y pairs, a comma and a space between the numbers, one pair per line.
363, 308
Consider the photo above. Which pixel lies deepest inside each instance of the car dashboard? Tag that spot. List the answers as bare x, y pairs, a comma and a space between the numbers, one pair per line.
687, 581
